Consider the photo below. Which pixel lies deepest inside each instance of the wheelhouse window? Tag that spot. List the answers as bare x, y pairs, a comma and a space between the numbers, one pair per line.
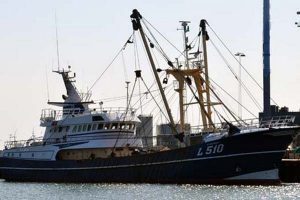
128, 126
74, 129
79, 128
122, 126
89, 127
100, 126
94, 126
114, 126
97, 118
106, 126
84, 127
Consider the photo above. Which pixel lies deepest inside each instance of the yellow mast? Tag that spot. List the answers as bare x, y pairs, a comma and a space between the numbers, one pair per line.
198, 72
200, 75
207, 83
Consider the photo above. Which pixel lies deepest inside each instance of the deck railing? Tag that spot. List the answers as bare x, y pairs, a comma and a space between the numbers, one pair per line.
251, 124
61, 140
49, 115
277, 121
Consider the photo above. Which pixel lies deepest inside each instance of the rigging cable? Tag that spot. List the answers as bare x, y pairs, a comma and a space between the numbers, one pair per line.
236, 77
238, 61
145, 20
137, 66
124, 67
120, 51
155, 100
126, 112
232, 97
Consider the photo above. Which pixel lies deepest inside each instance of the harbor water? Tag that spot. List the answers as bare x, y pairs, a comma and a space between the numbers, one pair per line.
53, 191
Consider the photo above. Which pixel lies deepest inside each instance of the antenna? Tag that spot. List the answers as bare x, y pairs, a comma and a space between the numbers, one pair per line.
57, 48
185, 28
127, 95
47, 85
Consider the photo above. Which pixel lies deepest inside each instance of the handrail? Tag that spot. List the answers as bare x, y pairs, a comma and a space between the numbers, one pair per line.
61, 140
247, 124
277, 121
254, 123
52, 114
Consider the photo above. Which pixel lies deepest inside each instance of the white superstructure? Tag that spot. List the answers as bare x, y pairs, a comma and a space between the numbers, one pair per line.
78, 132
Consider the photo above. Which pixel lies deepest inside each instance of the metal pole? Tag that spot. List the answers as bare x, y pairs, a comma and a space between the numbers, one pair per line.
266, 57
185, 29
207, 82
240, 55
127, 95
136, 16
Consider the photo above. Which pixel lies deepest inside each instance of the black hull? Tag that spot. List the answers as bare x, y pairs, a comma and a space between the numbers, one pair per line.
251, 158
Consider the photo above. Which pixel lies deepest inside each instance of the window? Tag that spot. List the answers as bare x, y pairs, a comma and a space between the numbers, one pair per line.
89, 127
106, 126
60, 129
97, 118
122, 126
74, 129
100, 126
94, 127
55, 129
67, 128
79, 128
84, 127
114, 126
133, 126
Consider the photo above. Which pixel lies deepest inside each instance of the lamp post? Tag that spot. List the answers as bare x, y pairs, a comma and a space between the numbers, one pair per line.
240, 55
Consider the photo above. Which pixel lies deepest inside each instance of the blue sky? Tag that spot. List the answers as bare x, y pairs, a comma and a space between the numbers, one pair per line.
91, 32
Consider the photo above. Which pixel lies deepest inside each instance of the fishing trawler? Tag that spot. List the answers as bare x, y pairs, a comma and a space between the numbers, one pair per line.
81, 144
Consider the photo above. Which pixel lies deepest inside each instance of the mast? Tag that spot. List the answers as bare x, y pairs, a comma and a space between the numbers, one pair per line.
72, 99
207, 83
57, 47
185, 29
200, 75
180, 78
136, 16
127, 95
